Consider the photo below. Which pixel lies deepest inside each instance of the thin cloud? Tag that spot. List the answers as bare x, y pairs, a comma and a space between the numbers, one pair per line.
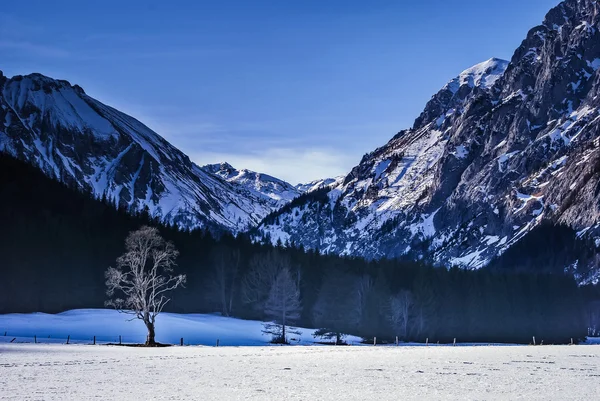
34, 49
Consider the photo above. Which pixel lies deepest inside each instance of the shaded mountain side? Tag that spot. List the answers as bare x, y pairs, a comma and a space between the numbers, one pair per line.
555, 249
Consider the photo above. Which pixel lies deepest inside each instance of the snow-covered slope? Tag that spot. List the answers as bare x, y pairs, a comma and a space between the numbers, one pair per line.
386, 184
499, 149
78, 140
274, 191
81, 325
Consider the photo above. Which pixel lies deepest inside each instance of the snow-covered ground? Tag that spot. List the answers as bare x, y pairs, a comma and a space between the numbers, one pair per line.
82, 372
107, 325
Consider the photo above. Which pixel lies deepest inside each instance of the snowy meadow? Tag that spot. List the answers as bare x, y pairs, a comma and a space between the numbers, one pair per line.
109, 326
247, 367
78, 372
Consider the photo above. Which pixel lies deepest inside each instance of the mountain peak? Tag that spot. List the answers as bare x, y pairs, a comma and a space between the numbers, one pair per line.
501, 149
219, 168
270, 188
482, 75
453, 95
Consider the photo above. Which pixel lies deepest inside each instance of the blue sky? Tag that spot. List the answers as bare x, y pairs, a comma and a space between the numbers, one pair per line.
297, 89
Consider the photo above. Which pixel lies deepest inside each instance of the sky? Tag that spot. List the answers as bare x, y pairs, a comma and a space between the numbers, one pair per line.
296, 89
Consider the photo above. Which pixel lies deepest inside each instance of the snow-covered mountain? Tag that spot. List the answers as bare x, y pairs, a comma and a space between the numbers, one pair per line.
501, 148
274, 191
78, 140
316, 184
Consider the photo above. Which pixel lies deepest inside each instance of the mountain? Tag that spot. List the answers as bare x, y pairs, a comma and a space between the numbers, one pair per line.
497, 151
76, 139
316, 184
274, 191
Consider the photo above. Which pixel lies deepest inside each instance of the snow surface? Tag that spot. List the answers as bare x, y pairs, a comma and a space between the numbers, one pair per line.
107, 325
482, 75
62, 105
78, 372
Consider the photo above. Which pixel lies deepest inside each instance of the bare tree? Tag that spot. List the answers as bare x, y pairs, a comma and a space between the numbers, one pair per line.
143, 276
283, 304
399, 311
364, 286
272, 288
257, 283
226, 264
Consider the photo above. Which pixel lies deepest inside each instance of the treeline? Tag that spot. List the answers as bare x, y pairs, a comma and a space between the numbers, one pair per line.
414, 302
56, 244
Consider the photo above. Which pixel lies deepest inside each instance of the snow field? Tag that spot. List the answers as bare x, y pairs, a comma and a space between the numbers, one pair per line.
81, 325
81, 372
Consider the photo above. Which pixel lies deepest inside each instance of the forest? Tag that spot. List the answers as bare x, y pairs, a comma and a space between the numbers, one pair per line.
56, 243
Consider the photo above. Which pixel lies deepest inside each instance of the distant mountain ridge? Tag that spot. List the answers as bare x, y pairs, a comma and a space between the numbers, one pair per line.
273, 189
316, 184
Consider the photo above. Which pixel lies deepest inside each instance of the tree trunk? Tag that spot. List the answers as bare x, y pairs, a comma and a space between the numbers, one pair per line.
283, 341
151, 334
230, 309
283, 334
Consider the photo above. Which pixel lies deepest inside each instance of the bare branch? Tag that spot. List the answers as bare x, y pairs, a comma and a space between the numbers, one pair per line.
142, 277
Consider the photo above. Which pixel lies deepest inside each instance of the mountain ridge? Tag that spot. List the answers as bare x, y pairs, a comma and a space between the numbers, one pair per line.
500, 149
482, 165
273, 189
77, 139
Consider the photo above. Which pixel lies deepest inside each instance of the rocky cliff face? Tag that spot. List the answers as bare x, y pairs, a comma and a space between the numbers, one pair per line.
499, 149
78, 140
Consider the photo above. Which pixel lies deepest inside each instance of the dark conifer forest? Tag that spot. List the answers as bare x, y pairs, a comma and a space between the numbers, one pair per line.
56, 244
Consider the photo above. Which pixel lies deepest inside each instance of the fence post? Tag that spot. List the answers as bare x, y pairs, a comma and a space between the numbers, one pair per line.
217, 342
34, 339
68, 338
571, 340
119, 340
396, 341
5, 334
427, 342
94, 340
374, 340
181, 342
454, 343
